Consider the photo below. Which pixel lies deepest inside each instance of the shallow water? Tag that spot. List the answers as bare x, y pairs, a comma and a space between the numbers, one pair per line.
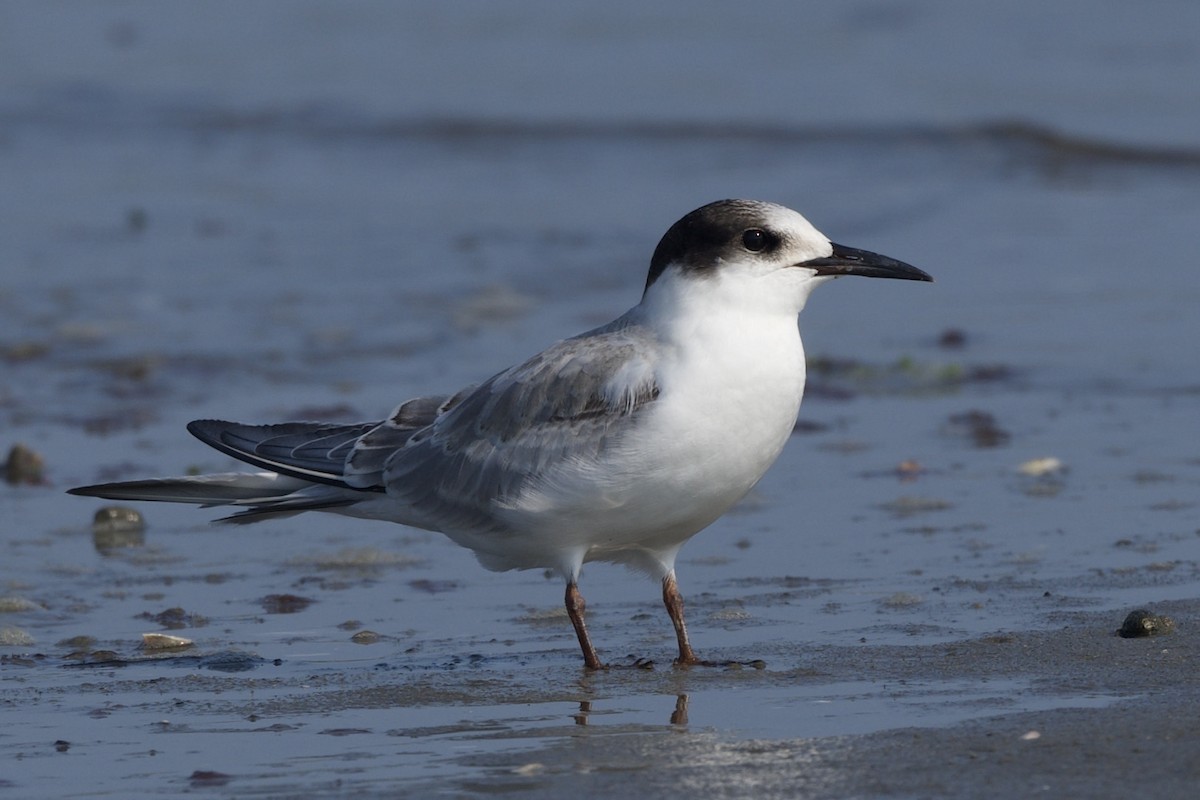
251, 235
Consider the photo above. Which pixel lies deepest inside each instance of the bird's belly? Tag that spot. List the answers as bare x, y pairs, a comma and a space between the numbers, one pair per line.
675, 473
719, 422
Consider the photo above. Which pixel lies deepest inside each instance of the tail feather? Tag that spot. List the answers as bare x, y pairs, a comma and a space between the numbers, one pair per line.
265, 495
285, 507
306, 463
205, 490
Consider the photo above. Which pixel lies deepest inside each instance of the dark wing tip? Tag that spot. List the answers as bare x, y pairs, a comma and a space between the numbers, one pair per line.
213, 433
208, 430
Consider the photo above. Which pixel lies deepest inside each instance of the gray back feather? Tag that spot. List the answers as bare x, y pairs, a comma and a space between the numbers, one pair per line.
570, 402
452, 459
364, 466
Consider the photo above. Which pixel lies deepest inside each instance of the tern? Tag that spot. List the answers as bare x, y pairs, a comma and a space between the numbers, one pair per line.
616, 445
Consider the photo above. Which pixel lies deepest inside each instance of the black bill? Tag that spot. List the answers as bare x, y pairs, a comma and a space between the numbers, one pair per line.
850, 261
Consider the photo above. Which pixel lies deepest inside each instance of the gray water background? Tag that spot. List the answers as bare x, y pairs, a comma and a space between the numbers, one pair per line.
291, 210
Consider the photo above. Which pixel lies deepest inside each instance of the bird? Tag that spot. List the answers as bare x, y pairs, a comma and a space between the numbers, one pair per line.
616, 445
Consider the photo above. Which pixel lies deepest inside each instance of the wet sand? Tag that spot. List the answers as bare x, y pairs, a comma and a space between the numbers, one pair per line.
1066, 708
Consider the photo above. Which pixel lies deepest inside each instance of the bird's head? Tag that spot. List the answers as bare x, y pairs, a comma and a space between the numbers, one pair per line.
759, 254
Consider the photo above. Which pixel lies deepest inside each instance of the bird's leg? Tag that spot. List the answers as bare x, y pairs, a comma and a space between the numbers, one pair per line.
575, 607
679, 715
674, 603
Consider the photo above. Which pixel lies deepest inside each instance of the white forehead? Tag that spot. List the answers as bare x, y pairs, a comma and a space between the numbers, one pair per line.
792, 223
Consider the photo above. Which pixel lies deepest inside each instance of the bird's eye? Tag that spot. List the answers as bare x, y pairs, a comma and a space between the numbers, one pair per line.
755, 240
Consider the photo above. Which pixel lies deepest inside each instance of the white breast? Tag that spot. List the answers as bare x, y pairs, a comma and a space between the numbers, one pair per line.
730, 387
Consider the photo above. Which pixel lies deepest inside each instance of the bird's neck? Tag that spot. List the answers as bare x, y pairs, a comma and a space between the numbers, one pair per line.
690, 316
729, 347
732, 382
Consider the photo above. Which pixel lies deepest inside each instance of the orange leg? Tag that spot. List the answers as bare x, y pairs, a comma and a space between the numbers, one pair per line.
674, 603
575, 607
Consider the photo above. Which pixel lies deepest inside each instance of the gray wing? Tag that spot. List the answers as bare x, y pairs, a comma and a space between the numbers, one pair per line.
450, 459
314, 451
340, 455
570, 402
364, 465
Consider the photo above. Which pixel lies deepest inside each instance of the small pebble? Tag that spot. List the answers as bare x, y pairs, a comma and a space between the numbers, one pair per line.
115, 528
909, 505
285, 603
175, 618
902, 600
1037, 467
952, 339
207, 778
532, 768
164, 641
24, 466
1142, 623
365, 637
15, 637
980, 427
14, 605
117, 519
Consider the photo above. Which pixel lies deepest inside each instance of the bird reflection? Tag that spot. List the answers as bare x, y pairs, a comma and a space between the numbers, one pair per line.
679, 715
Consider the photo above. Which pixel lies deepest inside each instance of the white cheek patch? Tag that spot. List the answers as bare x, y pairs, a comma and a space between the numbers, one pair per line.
801, 240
